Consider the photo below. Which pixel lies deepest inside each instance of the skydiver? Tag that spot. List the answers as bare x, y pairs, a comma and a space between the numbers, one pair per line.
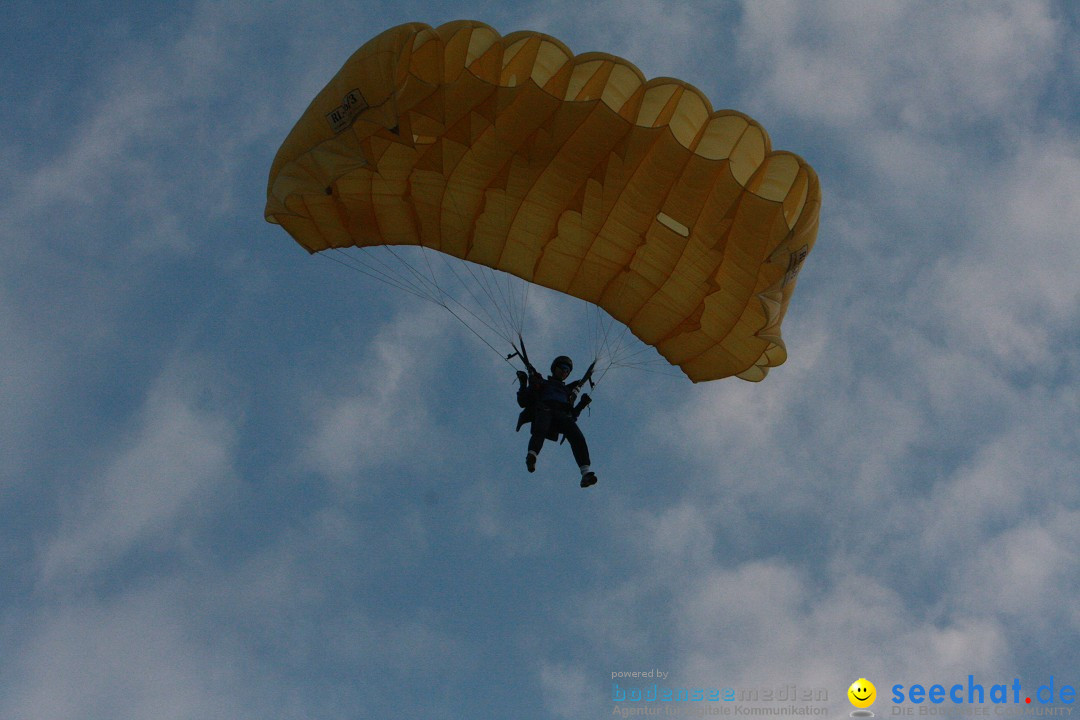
549, 405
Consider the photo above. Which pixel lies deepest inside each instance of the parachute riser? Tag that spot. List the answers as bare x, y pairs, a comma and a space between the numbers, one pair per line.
519, 351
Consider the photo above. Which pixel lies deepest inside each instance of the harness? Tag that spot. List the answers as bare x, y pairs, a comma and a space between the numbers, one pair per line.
531, 397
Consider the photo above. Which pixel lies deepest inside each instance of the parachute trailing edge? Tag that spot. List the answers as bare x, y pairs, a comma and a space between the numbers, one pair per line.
569, 171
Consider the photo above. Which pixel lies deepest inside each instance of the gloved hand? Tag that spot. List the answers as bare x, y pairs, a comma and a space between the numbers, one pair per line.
522, 378
582, 404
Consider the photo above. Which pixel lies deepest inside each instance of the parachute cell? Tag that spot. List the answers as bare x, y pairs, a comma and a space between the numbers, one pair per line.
571, 172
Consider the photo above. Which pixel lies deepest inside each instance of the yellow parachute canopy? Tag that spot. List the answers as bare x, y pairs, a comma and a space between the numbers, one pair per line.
570, 171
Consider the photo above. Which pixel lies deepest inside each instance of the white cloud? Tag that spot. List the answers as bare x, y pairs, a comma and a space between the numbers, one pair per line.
103, 170
154, 141
827, 435
136, 656
770, 623
568, 692
377, 412
317, 598
174, 466
922, 66
659, 37
1028, 575
766, 622
119, 178
25, 380
1014, 290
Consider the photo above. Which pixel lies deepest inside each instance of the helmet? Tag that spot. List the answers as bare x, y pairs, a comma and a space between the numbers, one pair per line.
562, 360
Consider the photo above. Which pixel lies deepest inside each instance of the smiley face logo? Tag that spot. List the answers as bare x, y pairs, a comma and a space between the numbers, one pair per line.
862, 693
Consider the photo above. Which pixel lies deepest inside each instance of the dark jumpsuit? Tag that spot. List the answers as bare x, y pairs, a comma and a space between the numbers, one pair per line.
553, 414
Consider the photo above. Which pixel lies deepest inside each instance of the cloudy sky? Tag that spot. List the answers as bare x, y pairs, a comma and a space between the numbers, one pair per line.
237, 481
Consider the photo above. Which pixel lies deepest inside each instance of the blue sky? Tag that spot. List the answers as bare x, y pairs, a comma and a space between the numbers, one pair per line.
238, 481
